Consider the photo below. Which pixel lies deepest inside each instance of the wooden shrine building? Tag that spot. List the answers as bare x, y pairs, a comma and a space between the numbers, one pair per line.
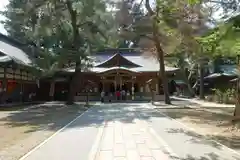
16, 81
117, 69
111, 70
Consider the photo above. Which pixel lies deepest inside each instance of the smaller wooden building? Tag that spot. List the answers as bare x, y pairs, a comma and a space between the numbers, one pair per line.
16, 80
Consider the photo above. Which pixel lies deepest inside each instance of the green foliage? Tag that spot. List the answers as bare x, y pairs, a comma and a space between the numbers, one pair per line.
223, 40
64, 31
192, 2
225, 96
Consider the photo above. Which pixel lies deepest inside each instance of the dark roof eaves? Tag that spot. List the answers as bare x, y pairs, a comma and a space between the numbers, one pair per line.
12, 41
117, 54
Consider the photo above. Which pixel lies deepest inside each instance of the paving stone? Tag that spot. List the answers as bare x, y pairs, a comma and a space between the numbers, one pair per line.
105, 155
107, 141
110, 124
144, 150
133, 155
118, 138
118, 134
107, 145
152, 144
109, 131
120, 158
119, 150
149, 158
140, 139
130, 144
158, 154
129, 141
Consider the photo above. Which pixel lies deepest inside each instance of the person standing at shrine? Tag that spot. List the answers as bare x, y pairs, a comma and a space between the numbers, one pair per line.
123, 93
118, 95
110, 97
102, 96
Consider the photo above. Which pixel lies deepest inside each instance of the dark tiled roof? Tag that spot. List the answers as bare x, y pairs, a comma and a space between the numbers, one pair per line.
12, 49
16, 54
101, 70
4, 59
218, 75
11, 41
224, 71
228, 69
121, 60
146, 64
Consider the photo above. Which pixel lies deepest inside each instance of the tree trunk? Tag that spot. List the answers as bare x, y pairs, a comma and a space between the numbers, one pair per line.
236, 113
165, 83
162, 71
160, 52
87, 97
76, 42
73, 84
201, 75
152, 95
161, 64
159, 84
190, 89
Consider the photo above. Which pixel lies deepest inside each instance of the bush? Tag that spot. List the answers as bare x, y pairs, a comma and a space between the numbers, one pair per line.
210, 98
227, 96
218, 96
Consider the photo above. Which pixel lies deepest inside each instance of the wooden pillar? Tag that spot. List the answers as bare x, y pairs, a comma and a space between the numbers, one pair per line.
152, 92
146, 88
87, 98
132, 89
157, 88
115, 84
4, 84
141, 91
120, 78
103, 85
21, 86
21, 91
117, 81
5, 79
52, 90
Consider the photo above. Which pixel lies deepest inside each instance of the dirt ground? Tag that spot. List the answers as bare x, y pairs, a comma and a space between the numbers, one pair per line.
215, 123
22, 130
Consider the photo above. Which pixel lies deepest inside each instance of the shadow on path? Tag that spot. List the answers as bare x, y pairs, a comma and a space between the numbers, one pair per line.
50, 116
54, 116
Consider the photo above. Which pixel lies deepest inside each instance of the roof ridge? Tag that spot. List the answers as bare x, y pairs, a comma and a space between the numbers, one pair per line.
115, 55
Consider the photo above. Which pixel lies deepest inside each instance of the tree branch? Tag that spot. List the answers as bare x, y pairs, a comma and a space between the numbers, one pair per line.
145, 36
73, 16
148, 7
82, 24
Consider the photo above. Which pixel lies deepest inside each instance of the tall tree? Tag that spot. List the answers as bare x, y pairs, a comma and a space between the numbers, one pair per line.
186, 63
229, 45
65, 28
181, 21
224, 41
164, 27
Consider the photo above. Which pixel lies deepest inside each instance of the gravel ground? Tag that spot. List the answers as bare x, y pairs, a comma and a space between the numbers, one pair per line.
214, 125
22, 130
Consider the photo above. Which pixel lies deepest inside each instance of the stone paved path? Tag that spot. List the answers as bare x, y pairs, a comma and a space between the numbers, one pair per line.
129, 142
129, 132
